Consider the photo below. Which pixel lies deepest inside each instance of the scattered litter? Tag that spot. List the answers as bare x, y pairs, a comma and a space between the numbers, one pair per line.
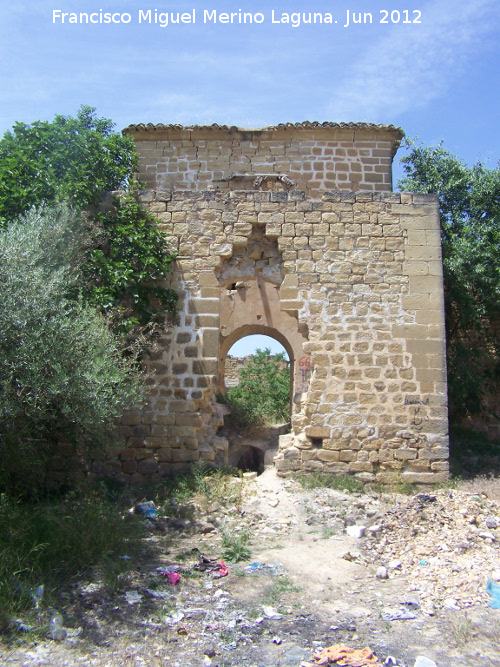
173, 577
88, 588
356, 531
221, 572
133, 597
125, 558
22, 627
218, 568
219, 593
176, 617
270, 612
494, 590
390, 661
445, 545
422, 661
37, 595
277, 640
73, 632
159, 595
389, 614
268, 568
164, 570
343, 655
56, 629
147, 509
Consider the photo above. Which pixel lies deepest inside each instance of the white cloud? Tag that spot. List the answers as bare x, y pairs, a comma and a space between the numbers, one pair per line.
411, 67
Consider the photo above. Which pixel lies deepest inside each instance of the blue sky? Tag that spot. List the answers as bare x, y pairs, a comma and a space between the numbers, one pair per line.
437, 79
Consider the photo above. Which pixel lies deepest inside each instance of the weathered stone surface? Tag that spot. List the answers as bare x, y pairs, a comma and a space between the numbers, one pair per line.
313, 159
344, 273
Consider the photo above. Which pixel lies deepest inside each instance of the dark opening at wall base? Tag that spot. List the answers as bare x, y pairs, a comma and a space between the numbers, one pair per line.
251, 460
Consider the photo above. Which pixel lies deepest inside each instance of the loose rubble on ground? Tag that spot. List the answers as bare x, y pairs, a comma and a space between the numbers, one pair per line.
333, 578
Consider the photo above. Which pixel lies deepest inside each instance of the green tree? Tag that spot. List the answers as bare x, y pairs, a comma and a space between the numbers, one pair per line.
62, 372
469, 203
76, 160
263, 393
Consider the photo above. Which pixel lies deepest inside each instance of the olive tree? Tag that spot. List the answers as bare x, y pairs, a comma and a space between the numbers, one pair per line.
62, 371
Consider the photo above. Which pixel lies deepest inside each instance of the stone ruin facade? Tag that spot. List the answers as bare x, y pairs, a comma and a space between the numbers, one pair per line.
294, 232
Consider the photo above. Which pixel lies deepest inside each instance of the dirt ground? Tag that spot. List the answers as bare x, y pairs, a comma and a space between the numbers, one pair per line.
413, 585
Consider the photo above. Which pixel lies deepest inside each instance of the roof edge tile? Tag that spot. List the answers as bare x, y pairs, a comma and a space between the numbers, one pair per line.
305, 125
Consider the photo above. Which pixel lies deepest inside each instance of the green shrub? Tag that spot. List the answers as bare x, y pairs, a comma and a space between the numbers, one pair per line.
62, 373
235, 545
263, 393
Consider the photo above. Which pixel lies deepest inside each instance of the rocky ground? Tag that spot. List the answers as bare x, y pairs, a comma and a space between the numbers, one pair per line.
404, 576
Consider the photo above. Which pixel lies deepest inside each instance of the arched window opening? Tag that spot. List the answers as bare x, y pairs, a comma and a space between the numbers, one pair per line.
257, 389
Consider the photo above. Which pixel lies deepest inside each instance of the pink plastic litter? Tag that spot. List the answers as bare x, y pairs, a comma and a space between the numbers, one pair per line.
173, 577
221, 572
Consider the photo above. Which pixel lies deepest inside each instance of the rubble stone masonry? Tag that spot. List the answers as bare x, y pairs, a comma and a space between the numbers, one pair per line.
314, 157
346, 274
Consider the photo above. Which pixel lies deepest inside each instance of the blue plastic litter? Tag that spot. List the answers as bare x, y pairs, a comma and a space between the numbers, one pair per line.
147, 509
253, 567
424, 562
494, 590
270, 568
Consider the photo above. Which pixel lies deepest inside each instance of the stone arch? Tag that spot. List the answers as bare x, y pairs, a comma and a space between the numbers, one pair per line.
252, 287
238, 318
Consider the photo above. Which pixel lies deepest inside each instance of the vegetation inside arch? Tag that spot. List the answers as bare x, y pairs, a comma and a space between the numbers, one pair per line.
262, 396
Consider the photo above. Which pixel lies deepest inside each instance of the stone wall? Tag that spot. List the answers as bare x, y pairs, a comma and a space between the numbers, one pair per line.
311, 157
232, 369
350, 283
